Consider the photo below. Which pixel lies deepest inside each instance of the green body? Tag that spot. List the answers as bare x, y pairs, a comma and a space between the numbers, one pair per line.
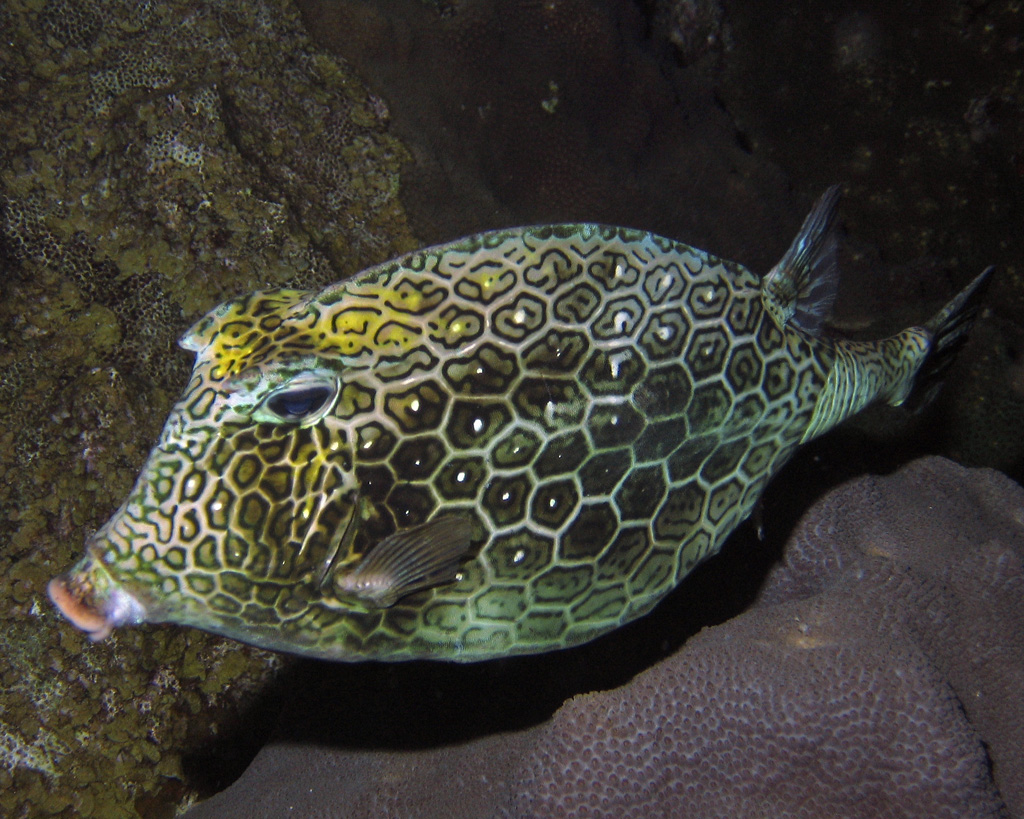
595, 408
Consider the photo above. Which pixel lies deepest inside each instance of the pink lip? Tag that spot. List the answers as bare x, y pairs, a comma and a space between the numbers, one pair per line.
74, 602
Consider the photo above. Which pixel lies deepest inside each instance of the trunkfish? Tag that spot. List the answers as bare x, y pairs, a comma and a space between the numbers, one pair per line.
508, 444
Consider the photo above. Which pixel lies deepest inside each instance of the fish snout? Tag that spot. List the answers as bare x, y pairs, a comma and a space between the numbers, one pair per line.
96, 611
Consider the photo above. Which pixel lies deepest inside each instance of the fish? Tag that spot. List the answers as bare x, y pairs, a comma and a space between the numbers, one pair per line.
508, 444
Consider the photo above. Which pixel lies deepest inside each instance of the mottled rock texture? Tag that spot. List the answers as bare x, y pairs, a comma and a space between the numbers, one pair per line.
155, 159
877, 675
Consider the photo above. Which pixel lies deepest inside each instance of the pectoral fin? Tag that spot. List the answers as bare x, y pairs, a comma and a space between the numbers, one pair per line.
411, 560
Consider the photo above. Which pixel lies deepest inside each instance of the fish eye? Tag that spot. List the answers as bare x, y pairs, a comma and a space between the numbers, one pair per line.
300, 403
297, 404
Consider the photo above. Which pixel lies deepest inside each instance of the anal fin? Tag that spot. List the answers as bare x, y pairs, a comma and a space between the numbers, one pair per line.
411, 560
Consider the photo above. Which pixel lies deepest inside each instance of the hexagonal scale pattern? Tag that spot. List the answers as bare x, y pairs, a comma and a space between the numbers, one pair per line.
601, 405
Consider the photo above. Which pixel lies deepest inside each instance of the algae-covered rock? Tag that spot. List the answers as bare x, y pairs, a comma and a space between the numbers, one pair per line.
155, 159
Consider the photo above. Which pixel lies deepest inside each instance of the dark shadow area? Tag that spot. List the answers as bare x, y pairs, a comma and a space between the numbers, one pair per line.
537, 112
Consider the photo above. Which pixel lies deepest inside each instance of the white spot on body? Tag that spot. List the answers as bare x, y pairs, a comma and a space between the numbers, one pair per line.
519, 556
549, 412
615, 362
478, 425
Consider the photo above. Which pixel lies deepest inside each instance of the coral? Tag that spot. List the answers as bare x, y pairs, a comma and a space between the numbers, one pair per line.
876, 676
72, 24
42, 754
144, 71
144, 178
179, 121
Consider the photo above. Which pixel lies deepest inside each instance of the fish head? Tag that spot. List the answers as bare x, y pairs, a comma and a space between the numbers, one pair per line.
249, 501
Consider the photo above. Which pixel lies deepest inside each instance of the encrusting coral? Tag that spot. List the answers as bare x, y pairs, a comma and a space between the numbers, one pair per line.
155, 159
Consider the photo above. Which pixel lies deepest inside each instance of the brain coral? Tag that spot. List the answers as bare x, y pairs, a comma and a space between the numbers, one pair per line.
876, 676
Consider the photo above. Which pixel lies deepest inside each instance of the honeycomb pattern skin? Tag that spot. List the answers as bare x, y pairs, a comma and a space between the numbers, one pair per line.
604, 406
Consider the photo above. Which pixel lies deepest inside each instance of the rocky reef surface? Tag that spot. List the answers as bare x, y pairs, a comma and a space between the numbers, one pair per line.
155, 159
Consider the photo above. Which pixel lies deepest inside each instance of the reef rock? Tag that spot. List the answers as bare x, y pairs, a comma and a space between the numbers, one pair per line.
877, 675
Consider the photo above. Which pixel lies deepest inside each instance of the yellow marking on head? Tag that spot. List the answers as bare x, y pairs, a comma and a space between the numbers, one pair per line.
372, 322
393, 337
231, 359
411, 300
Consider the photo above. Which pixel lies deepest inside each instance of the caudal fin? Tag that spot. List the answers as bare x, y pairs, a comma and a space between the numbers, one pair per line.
949, 329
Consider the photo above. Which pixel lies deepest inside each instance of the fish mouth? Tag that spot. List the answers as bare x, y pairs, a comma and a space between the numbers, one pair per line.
94, 603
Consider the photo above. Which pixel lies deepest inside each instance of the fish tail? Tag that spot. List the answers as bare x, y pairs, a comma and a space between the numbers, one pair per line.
907, 365
947, 331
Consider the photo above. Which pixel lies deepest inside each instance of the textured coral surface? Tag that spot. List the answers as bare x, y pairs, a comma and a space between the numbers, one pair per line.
875, 677
154, 159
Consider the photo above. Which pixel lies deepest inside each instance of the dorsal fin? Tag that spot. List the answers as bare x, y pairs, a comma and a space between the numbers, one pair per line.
803, 285
411, 560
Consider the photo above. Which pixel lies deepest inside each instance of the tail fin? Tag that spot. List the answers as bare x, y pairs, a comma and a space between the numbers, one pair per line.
948, 329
